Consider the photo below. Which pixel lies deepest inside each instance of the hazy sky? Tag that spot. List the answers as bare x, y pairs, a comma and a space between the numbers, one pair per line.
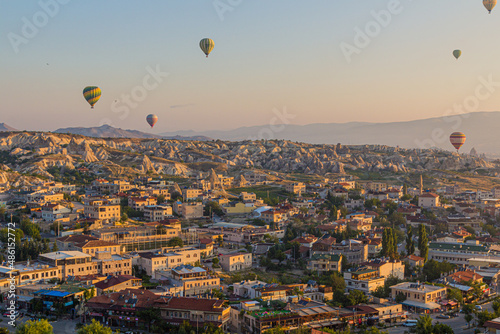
269, 55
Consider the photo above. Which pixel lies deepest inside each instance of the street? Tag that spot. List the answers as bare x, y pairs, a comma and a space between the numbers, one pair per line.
458, 324
60, 326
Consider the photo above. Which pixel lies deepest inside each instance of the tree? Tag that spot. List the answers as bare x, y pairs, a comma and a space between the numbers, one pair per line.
54, 247
432, 269
484, 316
400, 298
94, 328
213, 207
456, 295
423, 241
124, 217
160, 199
2, 212
424, 325
4, 330
468, 310
41, 326
175, 241
496, 307
410, 245
356, 297
215, 263
442, 329
336, 281
149, 315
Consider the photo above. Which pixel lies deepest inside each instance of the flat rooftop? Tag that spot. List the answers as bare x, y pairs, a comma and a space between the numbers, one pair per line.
62, 255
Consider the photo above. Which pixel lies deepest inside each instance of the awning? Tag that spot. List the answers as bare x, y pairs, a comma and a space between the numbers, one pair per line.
24, 298
426, 306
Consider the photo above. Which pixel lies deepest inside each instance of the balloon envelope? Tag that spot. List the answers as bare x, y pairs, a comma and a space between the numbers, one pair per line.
457, 53
489, 4
207, 45
457, 139
152, 119
92, 94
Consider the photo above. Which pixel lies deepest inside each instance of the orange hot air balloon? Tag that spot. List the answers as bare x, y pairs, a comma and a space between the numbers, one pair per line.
457, 139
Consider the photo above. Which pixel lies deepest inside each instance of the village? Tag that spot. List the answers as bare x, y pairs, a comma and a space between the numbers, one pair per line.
149, 254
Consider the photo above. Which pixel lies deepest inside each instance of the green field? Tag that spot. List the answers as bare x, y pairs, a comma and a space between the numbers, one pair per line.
262, 191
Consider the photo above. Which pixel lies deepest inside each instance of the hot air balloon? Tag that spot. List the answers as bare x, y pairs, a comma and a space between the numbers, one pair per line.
489, 4
207, 45
152, 119
457, 139
457, 53
92, 94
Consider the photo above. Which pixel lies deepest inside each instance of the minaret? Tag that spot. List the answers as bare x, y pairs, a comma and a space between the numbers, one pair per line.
421, 184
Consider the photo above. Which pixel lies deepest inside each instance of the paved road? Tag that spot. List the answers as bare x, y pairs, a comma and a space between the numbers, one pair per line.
458, 324
60, 326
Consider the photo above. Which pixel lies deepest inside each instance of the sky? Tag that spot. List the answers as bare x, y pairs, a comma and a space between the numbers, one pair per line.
322, 61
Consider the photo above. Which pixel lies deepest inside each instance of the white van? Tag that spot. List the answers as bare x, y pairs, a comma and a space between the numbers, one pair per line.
410, 323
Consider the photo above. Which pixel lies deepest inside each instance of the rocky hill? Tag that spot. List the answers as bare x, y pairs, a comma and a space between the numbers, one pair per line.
479, 127
107, 131
36, 153
5, 127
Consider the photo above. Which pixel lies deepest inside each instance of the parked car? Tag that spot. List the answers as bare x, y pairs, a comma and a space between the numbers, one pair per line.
443, 316
479, 307
410, 323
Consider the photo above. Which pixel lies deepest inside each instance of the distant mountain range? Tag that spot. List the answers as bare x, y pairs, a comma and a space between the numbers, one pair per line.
107, 131
481, 129
5, 127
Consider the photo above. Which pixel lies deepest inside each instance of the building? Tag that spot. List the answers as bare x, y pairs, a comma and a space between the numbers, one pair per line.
365, 280
238, 208
117, 283
415, 261
194, 281
237, 261
464, 277
139, 203
459, 222
87, 244
493, 326
274, 216
354, 251
139, 237
428, 201
296, 188
75, 263
421, 297
261, 290
53, 211
248, 197
376, 186
154, 213
191, 194
387, 268
156, 262
199, 312
325, 262
101, 210
456, 253
191, 210
120, 308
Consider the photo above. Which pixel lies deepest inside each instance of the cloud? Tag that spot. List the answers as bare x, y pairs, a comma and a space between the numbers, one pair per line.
181, 105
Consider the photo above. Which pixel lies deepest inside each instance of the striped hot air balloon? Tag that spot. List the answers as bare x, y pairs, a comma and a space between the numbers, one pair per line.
92, 94
489, 4
207, 45
152, 119
457, 139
